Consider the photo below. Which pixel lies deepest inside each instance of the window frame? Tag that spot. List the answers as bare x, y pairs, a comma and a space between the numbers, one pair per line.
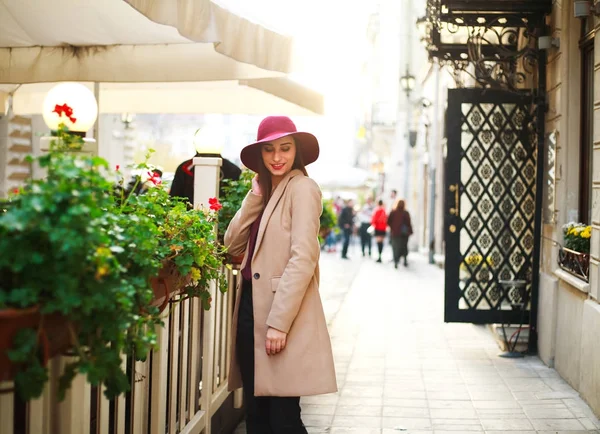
586, 143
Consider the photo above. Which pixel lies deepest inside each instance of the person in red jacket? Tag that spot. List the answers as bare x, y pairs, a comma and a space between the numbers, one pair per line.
379, 223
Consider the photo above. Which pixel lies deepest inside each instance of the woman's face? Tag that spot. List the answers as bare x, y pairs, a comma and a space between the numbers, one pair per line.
279, 156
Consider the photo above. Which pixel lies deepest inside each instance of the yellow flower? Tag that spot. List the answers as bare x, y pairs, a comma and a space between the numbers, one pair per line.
103, 252
586, 233
195, 274
101, 271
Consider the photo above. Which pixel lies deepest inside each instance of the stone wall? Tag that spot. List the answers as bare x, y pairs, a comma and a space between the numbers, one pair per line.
569, 314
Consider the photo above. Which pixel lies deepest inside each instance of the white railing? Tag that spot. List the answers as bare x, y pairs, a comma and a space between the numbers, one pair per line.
176, 391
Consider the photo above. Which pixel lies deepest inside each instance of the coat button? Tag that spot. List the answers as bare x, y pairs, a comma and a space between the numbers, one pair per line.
256, 276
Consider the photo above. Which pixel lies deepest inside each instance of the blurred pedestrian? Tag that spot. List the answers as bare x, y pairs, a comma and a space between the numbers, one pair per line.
183, 182
331, 242
281, 348
401, 229
379, 221
346, 223
364, 218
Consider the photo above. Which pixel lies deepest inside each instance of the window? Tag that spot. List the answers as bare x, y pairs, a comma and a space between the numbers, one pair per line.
586, 45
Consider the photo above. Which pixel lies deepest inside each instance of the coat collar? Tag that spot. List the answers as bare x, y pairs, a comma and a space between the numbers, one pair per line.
273, 201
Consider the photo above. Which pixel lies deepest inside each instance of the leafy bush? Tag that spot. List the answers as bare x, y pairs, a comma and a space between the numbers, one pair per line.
234, 194
328, 218
75, 245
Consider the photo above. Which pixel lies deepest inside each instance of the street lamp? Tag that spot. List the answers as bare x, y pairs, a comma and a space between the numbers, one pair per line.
407, 82
72, 104
208, 142
75, 106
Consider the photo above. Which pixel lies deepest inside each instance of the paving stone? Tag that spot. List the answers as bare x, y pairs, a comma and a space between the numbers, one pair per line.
557, 424
357, 421
406, 423
318, 420
548, 413
492, 404
358, 410
506, 424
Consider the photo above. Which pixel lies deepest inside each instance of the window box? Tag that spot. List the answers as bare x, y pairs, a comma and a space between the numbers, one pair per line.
575, 263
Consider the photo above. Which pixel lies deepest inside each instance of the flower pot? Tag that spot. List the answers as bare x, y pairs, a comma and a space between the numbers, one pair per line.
53, 337
167, 284
235, 260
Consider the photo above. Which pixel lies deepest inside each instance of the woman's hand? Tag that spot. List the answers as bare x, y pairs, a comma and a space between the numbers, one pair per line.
276, 341
256, 186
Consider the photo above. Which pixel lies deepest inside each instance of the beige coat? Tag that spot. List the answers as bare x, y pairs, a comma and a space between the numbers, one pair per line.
285, 290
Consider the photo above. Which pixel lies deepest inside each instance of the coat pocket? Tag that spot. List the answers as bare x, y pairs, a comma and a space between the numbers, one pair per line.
275, 283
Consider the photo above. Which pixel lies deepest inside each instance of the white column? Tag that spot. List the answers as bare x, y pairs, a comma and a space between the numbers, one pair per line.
207, 174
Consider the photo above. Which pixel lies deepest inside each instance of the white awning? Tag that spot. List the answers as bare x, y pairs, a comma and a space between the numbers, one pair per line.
147, 41
255, 96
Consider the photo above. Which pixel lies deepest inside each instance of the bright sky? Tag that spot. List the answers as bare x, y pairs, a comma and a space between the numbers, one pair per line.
330, 45
329, 35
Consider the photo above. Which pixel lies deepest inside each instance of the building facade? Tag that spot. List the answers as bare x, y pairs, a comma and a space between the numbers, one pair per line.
562, 77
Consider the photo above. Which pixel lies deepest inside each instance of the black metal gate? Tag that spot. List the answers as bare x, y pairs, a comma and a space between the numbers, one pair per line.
490, 206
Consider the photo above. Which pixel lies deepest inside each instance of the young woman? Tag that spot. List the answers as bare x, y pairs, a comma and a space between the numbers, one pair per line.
379, 222
281, 347
401, 230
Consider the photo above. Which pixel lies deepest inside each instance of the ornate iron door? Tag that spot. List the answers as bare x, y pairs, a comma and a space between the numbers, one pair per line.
490, 206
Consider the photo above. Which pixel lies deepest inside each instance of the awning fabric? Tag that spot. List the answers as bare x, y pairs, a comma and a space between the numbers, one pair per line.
134, 41
254, 96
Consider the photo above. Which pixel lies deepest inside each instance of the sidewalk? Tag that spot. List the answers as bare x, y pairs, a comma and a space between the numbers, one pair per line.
401, 369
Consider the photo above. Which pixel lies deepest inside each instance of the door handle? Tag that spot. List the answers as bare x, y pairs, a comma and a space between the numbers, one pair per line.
455, 189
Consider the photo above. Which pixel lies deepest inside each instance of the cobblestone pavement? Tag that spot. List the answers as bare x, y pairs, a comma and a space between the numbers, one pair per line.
401, 369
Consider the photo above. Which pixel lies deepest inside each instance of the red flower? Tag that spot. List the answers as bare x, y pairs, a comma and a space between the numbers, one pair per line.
154, 178
118, 167
214, 204
15, 190
66, 110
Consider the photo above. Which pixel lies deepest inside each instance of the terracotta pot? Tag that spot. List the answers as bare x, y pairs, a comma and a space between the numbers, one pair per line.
235, 260
167, 284
53, 338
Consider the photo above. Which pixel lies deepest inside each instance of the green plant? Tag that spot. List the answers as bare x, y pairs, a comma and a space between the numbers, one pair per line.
234, 193
61, 250
577, 237
328, 218
75, 244
186, 237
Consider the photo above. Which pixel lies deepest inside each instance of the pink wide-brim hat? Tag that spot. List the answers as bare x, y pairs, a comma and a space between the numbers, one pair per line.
276, 127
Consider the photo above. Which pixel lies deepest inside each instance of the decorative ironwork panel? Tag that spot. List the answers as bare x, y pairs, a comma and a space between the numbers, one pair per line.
491, 179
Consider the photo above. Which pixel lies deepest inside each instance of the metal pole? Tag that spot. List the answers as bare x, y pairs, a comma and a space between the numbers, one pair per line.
97, 124
539, 196
407, 147
406, 48
434, 143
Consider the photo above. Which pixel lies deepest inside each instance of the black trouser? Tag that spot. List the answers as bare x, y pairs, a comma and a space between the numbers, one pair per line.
347, 235
365, 238
264, 414
400, 248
